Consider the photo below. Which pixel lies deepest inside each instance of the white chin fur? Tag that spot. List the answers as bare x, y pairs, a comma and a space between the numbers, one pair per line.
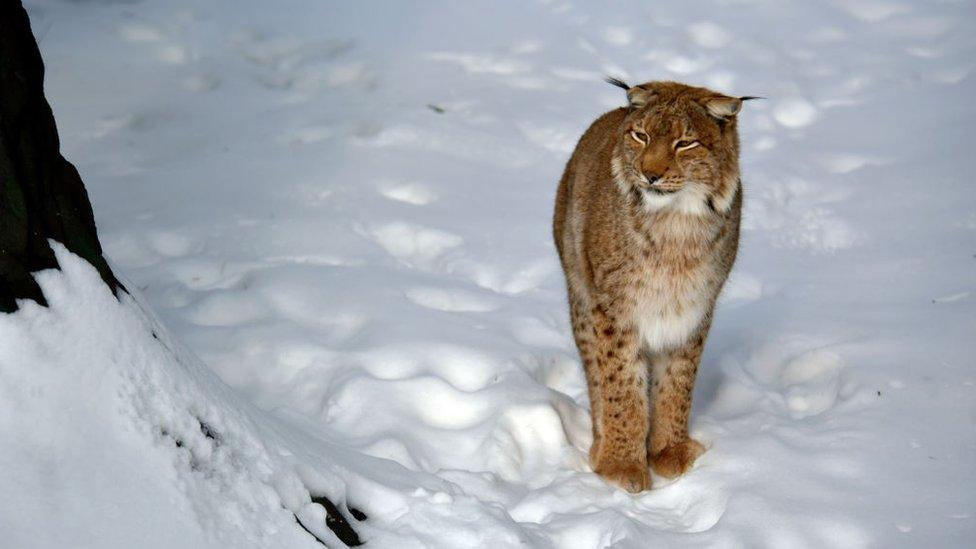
692, 199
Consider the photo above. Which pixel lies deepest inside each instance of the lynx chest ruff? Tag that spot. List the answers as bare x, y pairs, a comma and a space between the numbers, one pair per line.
672, 297
671, 306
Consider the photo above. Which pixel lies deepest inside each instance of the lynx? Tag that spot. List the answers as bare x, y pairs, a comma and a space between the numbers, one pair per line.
647, 227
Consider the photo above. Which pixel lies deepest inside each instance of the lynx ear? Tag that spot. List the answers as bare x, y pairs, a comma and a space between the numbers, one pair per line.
722, 106
639, 97
636, 95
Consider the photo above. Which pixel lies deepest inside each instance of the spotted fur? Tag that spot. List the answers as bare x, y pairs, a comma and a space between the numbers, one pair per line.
647, 227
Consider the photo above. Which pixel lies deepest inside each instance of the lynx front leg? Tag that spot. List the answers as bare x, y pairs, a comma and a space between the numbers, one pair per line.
585, 336
670, 450
618, 392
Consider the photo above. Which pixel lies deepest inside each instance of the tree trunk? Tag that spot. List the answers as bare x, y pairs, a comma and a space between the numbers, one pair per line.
41, 194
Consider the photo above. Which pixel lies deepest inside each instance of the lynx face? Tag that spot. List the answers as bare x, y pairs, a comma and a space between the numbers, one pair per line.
678, 146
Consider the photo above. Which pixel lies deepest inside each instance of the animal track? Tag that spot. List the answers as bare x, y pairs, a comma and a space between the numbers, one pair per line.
410, 193
414, 244
559, 141
741, 287
793, 377
795, 112
171, 244
226, 309
794, 215
505, 280
709, 35
618, 36
450, 300
481, 64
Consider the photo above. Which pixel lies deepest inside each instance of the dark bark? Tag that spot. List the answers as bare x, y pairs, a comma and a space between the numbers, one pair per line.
41, 194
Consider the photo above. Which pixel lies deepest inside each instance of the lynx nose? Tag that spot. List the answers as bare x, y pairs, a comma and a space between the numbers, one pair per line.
651, 178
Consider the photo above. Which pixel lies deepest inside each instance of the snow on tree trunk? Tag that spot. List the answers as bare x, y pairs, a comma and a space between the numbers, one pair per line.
41, 194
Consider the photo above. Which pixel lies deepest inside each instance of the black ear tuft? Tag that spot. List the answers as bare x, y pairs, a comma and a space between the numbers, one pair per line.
616, 82
750, 97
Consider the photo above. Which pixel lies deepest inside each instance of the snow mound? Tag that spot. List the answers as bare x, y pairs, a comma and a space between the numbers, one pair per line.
124, 438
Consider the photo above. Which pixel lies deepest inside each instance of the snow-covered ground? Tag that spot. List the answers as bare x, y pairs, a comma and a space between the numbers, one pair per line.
343, 209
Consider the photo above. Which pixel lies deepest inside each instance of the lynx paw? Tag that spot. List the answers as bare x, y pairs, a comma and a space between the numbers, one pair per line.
632, 476
675, 460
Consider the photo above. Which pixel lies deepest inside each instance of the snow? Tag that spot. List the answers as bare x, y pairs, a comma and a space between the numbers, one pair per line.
335, 218
795, 112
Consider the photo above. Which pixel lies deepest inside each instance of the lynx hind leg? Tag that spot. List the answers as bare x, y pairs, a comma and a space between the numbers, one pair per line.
618, 395
670, 450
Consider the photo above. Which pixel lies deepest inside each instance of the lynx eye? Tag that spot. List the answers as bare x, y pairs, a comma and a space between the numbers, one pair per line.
639, 137
684, 145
